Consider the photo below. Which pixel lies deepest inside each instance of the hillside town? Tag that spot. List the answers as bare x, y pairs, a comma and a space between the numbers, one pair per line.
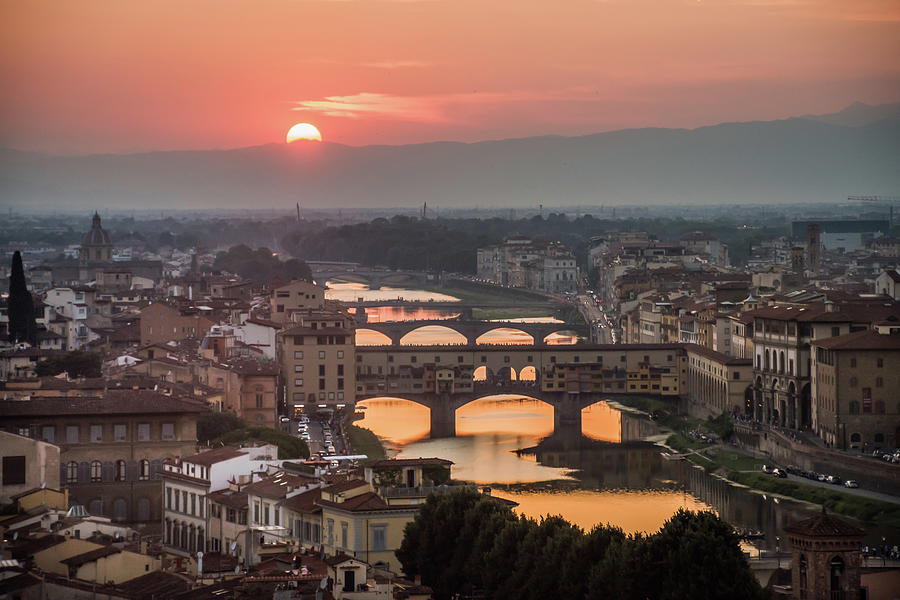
113, 487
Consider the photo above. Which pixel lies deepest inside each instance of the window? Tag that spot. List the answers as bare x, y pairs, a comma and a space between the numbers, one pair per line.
184, 500
168, 431
96, 433
298, 382
143, 432
277, 515
96, 471
340, 353
344, 528
329, 531
880, 363
379, 537
321, 354
177, 500
341, 370
256, 511
879, 438
835, 331
120, 470
879, 407
193, 503
13, 470
321, 370
71, 434
852, 363
321, 384
854, 407
72, 472
879, 382
259, 400
119, 433
298, 354
144, 473
230, 515
854, 382
169, 498
48, 432
298, 368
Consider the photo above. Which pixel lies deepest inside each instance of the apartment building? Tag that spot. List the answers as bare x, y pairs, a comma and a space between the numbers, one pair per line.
111, 446
296, 296
162, 322
187, 482
317, 357
855, 378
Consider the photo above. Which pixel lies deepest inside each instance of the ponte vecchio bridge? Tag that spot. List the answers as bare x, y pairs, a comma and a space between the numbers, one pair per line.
569, 378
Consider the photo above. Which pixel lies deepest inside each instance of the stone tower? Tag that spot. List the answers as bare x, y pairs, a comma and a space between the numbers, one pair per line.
825, 558
95, 245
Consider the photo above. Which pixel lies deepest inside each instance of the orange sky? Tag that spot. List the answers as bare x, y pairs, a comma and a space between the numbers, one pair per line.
99, 76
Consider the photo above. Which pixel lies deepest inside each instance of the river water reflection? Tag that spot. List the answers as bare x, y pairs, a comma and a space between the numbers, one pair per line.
603, 473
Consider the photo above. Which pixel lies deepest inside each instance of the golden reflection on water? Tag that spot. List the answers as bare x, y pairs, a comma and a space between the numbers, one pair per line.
602, 422
632, 510
491, 429
396, 420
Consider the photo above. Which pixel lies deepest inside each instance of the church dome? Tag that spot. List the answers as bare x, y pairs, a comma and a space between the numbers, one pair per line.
97, 236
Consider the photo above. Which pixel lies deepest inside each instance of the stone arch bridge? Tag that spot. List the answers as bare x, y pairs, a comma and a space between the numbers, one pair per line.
471, 330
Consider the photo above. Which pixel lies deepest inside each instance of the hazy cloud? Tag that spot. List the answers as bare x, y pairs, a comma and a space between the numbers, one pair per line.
397, 64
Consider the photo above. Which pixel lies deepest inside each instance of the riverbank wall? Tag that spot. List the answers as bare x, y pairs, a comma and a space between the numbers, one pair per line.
872, 473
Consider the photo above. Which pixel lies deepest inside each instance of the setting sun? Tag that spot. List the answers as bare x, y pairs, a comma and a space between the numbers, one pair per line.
303, 131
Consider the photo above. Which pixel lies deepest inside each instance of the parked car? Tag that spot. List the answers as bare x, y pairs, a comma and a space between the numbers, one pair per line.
779, 473
850, 483
834, 479
768, 469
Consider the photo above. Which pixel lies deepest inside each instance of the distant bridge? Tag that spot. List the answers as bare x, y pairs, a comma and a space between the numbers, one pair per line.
375, 277
471, 330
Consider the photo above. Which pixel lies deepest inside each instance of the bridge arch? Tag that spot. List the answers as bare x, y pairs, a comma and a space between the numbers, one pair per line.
497, 334
371, 337
528, 373
554, 336
416, 337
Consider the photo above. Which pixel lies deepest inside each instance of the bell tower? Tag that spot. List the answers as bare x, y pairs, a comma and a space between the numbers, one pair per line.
825, 558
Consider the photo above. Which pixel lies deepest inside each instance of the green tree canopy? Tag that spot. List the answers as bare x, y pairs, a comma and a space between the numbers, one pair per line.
77, 363
467, 543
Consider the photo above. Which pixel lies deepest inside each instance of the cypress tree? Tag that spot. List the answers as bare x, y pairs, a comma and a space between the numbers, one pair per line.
22, 327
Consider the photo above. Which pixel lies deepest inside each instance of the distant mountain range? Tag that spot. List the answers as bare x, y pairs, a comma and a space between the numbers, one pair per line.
815, 158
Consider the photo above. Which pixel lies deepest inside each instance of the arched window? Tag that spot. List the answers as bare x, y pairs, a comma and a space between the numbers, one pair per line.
803, 566
120, 509
837, 574
72, 472
781, 362
855, 437
767, 360
120, 470
96, 471
144, 474
95, 507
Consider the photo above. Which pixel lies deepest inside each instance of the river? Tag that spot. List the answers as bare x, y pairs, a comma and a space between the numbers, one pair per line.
604, 473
